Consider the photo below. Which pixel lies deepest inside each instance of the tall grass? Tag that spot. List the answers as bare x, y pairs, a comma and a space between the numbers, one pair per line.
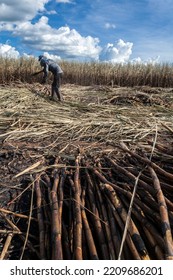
90, 73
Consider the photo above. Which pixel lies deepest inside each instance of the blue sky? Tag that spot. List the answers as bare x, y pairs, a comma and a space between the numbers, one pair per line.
99, 30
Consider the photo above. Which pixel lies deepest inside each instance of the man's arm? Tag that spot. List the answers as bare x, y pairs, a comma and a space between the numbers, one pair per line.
36, 73
45, 71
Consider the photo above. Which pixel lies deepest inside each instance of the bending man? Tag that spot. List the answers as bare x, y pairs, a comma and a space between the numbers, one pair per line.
52, 66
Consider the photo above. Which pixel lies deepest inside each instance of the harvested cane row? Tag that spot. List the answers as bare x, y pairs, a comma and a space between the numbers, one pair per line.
80, 208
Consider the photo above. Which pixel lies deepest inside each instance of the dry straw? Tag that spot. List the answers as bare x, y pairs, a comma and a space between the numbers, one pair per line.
28, 114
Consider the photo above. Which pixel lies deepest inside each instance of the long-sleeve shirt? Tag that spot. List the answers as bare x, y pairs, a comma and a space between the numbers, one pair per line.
50, 65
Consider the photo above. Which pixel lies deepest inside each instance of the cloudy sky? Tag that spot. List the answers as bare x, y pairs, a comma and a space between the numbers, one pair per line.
111, 30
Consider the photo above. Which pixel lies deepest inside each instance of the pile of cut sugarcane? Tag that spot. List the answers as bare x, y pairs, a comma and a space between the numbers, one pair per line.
108, 207
88, 208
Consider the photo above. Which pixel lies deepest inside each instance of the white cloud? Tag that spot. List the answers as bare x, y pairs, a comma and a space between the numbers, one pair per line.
17, 10
27, 56
8, 51
51, 56
152, 61
66, 43
6, 26
109, 25
57, 43
63, 41
52, 12
119, 53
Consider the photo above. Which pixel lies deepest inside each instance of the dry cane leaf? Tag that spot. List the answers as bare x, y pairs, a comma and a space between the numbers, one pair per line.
29, 168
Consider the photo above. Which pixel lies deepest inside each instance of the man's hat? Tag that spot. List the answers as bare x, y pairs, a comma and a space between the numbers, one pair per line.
40, 57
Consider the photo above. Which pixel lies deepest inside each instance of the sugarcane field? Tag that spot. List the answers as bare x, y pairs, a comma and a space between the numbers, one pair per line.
88, 178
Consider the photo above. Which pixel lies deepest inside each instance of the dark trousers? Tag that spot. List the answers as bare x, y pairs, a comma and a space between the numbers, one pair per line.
57, 77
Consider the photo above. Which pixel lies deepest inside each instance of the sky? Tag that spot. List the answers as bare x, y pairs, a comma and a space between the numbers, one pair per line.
117, 31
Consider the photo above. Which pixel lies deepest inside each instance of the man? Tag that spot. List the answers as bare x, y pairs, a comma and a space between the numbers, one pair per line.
55, 69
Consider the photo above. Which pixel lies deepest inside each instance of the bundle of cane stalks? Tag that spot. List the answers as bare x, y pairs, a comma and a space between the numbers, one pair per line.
103, 207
